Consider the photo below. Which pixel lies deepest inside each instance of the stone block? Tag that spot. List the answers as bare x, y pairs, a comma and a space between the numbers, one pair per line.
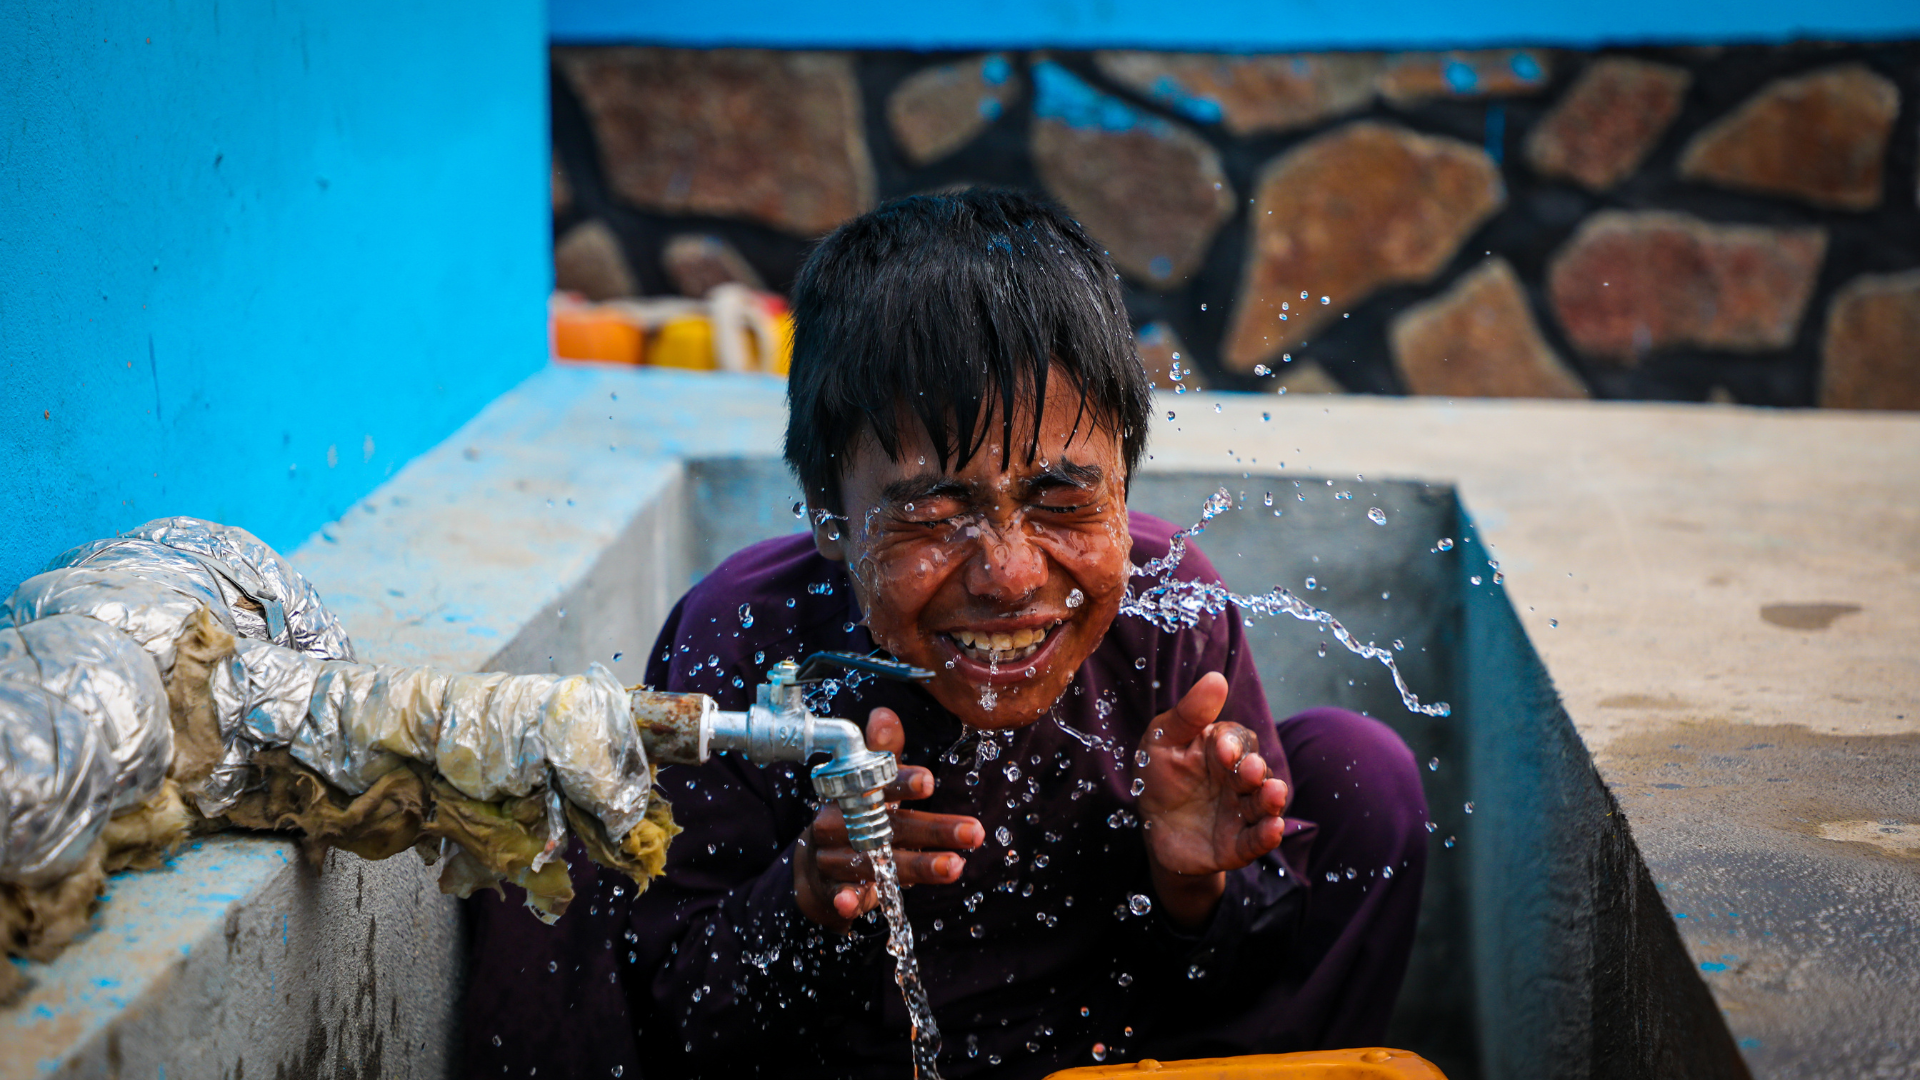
696, 262
1411, 78
1608, 121
1344, 213
1819, 137
1249, 95
1871, 356
774, 137
1478, 339
588, 260
1628, 284
1152, 192
935, 111
1164, 357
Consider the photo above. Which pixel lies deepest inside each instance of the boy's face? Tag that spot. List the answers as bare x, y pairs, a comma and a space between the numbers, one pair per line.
1000, 577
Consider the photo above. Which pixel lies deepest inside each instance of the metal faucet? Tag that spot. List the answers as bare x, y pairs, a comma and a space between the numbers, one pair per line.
685, 729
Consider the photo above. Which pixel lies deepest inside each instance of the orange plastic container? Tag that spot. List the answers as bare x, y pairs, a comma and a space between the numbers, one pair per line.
1371, 1063
587, 334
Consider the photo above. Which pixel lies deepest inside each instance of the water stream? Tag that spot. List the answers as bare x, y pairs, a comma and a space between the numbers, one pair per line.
1175, 604
906, 967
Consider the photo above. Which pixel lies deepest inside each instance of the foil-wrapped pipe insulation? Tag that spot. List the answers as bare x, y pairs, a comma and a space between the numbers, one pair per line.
248, 586
492, 736
84, 733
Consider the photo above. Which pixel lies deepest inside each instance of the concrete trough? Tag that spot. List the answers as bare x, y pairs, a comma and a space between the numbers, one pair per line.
1691, 849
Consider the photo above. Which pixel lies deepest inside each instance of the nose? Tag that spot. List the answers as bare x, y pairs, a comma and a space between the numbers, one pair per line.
1007, 568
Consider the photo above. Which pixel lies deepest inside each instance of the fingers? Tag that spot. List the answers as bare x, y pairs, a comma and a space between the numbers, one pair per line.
1199, 707
884, 731
912, 829
844, 865
913, 782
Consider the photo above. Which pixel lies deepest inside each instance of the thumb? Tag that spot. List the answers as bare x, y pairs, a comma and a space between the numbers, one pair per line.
1199, 707
884, 731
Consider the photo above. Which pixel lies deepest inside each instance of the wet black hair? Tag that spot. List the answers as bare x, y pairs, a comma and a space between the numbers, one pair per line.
935, 306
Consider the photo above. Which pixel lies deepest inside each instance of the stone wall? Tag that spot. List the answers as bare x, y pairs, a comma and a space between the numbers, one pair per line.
1691, 224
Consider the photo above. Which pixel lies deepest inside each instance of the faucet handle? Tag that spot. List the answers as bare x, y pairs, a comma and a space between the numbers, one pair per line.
819, 665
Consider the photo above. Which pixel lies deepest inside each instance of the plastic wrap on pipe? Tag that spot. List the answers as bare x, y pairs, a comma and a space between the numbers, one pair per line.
491, 736
260, 594
153, 611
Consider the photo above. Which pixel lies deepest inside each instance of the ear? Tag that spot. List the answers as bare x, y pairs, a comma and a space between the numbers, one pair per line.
829, 539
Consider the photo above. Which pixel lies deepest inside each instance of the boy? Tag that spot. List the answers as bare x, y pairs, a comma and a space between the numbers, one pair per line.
1112, 851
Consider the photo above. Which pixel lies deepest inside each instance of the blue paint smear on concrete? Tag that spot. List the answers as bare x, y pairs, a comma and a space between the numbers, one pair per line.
1228, 25
255, 256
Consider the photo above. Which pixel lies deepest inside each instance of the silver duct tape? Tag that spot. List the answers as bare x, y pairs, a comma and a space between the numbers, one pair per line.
490, 735
56, 785
109, 680
264, 597
153, 611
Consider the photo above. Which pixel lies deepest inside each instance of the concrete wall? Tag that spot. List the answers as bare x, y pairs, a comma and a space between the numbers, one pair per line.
253, 257
1222, 24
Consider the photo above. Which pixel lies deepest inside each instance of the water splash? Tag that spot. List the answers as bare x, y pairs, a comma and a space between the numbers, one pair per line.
906, 966
1174, 604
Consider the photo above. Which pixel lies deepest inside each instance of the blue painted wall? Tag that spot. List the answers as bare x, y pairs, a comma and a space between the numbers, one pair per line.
254, 256
1249, 25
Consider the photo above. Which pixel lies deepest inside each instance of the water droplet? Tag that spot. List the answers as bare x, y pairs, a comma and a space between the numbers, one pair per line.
496, 1040
977, 931
1445, 544
1169, 414
1398, 645
619, 1070
1124, 979
1216, 408
1140, 663
1431, 826
1099, 1051
1433, 764
1075, 598
790, 601
1499, 578
1139, 786
1448, 842
746, 615
553, 966
1326, 300
1012, 772
617, 656
1141, 757
800, 510
1139, 904
1312, 584
1120, 819
1262, 369
1004, 835
1266, 416
1377, 515
1196, 972
1386, 871
1475, 579
1553, 622
1323, 650
1469, 808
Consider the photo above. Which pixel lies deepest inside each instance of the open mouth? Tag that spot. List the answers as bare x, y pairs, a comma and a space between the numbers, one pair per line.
1001, 646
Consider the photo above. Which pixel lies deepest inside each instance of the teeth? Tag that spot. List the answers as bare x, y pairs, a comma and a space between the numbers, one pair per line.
1002, 646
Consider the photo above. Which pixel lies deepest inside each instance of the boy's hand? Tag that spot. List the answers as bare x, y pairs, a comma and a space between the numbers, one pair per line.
833, 884
1209, 805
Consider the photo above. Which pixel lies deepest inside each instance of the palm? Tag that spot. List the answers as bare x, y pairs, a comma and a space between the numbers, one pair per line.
1209, 803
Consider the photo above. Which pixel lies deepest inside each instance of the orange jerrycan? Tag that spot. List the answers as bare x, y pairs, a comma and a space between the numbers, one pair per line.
1372, 1063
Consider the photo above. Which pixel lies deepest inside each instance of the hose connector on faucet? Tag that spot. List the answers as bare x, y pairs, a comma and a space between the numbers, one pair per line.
684, 728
